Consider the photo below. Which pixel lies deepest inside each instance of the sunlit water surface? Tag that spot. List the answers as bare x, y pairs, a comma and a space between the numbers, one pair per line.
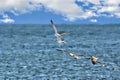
28, 52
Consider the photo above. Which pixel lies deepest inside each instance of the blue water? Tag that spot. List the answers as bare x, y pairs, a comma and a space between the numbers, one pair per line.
28, 52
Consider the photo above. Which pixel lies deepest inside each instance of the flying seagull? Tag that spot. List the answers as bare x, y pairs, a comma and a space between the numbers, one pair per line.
115, 68
58, 35
93, 59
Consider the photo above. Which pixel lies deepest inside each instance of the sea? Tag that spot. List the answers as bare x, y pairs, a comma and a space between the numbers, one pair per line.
29, 52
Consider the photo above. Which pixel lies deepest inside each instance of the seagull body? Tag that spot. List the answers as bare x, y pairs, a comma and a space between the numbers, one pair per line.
74, 55
58, 35
94, 59
59, 39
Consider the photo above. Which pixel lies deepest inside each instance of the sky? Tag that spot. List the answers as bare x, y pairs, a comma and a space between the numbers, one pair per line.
60, 11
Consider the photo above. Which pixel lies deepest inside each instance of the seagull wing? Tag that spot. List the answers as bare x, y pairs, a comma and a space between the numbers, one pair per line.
76, 56
63, 33
54, 27
61, 50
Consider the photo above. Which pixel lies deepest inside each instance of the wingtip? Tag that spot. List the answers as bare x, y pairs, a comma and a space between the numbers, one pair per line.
60, 50
51, 21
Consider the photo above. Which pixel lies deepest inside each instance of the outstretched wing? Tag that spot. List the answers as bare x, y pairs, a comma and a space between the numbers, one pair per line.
54, 27
61, 50
76, 56
62, 33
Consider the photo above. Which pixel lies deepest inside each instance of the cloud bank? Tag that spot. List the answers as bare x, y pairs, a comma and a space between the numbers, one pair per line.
6, 19
69, 9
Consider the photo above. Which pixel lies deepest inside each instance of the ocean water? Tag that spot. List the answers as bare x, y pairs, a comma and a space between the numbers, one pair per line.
28, 52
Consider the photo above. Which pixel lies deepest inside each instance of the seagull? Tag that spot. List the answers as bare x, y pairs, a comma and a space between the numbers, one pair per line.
58, 35
76, 56
93, 59
115, 68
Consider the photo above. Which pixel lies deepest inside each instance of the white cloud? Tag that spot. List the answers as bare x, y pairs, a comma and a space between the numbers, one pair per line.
111, 2
112, 7
19, 6
90, 1
67, 8
6, 19
93, 20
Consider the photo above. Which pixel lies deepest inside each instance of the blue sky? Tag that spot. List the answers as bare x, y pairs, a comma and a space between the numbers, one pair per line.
61, 11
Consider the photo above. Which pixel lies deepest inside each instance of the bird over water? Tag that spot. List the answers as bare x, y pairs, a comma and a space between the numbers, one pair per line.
93, 59
58, 35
